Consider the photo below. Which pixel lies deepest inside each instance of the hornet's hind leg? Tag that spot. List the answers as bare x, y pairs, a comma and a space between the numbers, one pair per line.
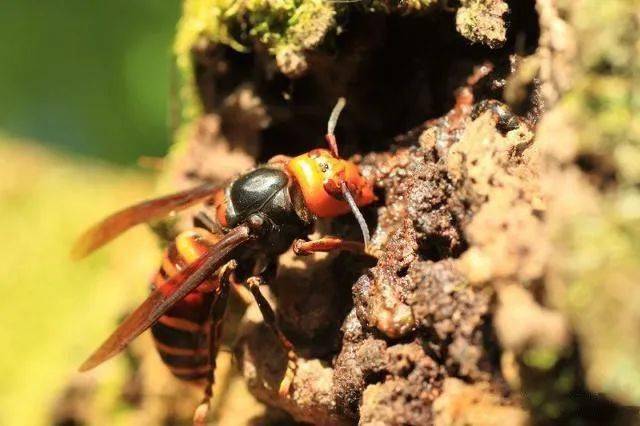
216, 315
253, 284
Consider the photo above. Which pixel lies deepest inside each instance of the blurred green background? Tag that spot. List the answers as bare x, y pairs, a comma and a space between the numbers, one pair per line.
85, 90
88, 77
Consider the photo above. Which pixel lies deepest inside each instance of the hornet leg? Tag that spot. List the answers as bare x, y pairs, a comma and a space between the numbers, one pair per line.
216, 315
326, 244
253, 283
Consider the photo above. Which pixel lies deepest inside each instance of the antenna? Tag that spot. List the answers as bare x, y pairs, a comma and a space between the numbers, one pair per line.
357, 213
331, 126
333, 146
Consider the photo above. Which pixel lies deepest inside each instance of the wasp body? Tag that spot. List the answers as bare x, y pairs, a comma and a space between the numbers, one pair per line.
237, 237
182, 334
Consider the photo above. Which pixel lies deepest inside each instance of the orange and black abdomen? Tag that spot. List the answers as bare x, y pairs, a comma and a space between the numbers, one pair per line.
181, 335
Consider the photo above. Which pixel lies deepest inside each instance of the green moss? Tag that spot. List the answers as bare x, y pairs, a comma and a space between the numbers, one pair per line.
482, 21
298, 24
284, 27
289, 28
202, 22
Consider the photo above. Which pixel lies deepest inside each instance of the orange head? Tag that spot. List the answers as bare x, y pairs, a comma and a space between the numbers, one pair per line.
321, 177
330, 185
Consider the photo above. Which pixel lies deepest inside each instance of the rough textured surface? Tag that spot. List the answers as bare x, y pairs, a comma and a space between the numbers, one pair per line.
262, 363
391, 376
501, 172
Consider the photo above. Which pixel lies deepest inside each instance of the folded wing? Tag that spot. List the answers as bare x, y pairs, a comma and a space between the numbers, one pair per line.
165, 296
114, 225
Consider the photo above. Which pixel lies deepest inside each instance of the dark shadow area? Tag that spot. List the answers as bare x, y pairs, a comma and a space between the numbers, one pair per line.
396, 72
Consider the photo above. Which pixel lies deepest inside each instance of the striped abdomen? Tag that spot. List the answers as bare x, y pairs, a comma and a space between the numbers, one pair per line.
182, 334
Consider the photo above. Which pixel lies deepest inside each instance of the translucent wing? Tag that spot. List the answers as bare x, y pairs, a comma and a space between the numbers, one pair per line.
114, 225
165, 296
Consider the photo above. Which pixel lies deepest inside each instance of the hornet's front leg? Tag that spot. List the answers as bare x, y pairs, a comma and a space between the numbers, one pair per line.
253, 284
326, 244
